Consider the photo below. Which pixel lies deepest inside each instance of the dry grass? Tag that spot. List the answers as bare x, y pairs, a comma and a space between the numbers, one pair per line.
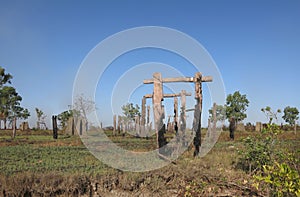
212, 175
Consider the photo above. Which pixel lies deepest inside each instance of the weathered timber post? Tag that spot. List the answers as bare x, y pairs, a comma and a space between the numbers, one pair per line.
137, 125
123, 127
182, 114
86, 124
197, 113
143, 115
14, 127
176, 115
209, 128
169, 125
158, 109
80, 127
119, 124
198, 79
54, 125
73, 126
115, 124
258, 127
148, 115
214, 121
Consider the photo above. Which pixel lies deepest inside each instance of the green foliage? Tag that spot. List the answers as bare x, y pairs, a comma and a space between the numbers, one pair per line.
64, 117
257, 154
20, 113
236, 106
10, 99
271, 167
4, 77
259, 150
220, 113
39, 113
66, 159
10, 104
130, 111
282, 179
270, 114
290, 115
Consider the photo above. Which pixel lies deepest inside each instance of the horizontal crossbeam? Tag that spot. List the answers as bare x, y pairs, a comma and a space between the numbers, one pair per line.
180, 79
168, 95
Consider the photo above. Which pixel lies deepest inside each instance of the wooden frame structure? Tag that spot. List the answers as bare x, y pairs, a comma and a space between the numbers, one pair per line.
158, 108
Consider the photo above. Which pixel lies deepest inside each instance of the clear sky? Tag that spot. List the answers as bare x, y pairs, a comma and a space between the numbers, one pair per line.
255, 44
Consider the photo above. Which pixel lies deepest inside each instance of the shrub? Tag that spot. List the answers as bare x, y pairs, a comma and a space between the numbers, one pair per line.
259, 151
281, 178
272, 168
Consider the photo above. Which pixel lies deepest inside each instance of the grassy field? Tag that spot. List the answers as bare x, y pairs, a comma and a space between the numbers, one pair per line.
34, 164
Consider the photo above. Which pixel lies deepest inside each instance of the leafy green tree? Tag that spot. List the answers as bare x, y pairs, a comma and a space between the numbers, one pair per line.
20, 113
64, 117
220, 113
130, 111
270, 114
290, 115
10, 100
236, 106
4, 77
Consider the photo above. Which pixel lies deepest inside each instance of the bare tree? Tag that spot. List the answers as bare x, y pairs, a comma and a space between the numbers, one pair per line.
83, 107
41, 118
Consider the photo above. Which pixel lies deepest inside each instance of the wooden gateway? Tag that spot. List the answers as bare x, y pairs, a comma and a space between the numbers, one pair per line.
158, 108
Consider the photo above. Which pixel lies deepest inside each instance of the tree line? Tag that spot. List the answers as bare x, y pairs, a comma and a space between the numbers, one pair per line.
236, 107
10, 101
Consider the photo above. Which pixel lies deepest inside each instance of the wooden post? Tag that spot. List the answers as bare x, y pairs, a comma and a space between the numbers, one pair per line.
54, 125
182, 114
73, 126
115, 124
143, 116
119, 124
148, 115
197, 113
123, 127
157, 109
158, 96
169, 125
80, 127
214, 128
86, 125
176, 115
14, 127
137, 125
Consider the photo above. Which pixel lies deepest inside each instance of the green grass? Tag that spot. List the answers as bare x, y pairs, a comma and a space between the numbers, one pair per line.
36, 154
28, 158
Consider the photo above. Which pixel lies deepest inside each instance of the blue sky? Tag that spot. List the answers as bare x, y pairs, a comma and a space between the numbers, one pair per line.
255, 45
